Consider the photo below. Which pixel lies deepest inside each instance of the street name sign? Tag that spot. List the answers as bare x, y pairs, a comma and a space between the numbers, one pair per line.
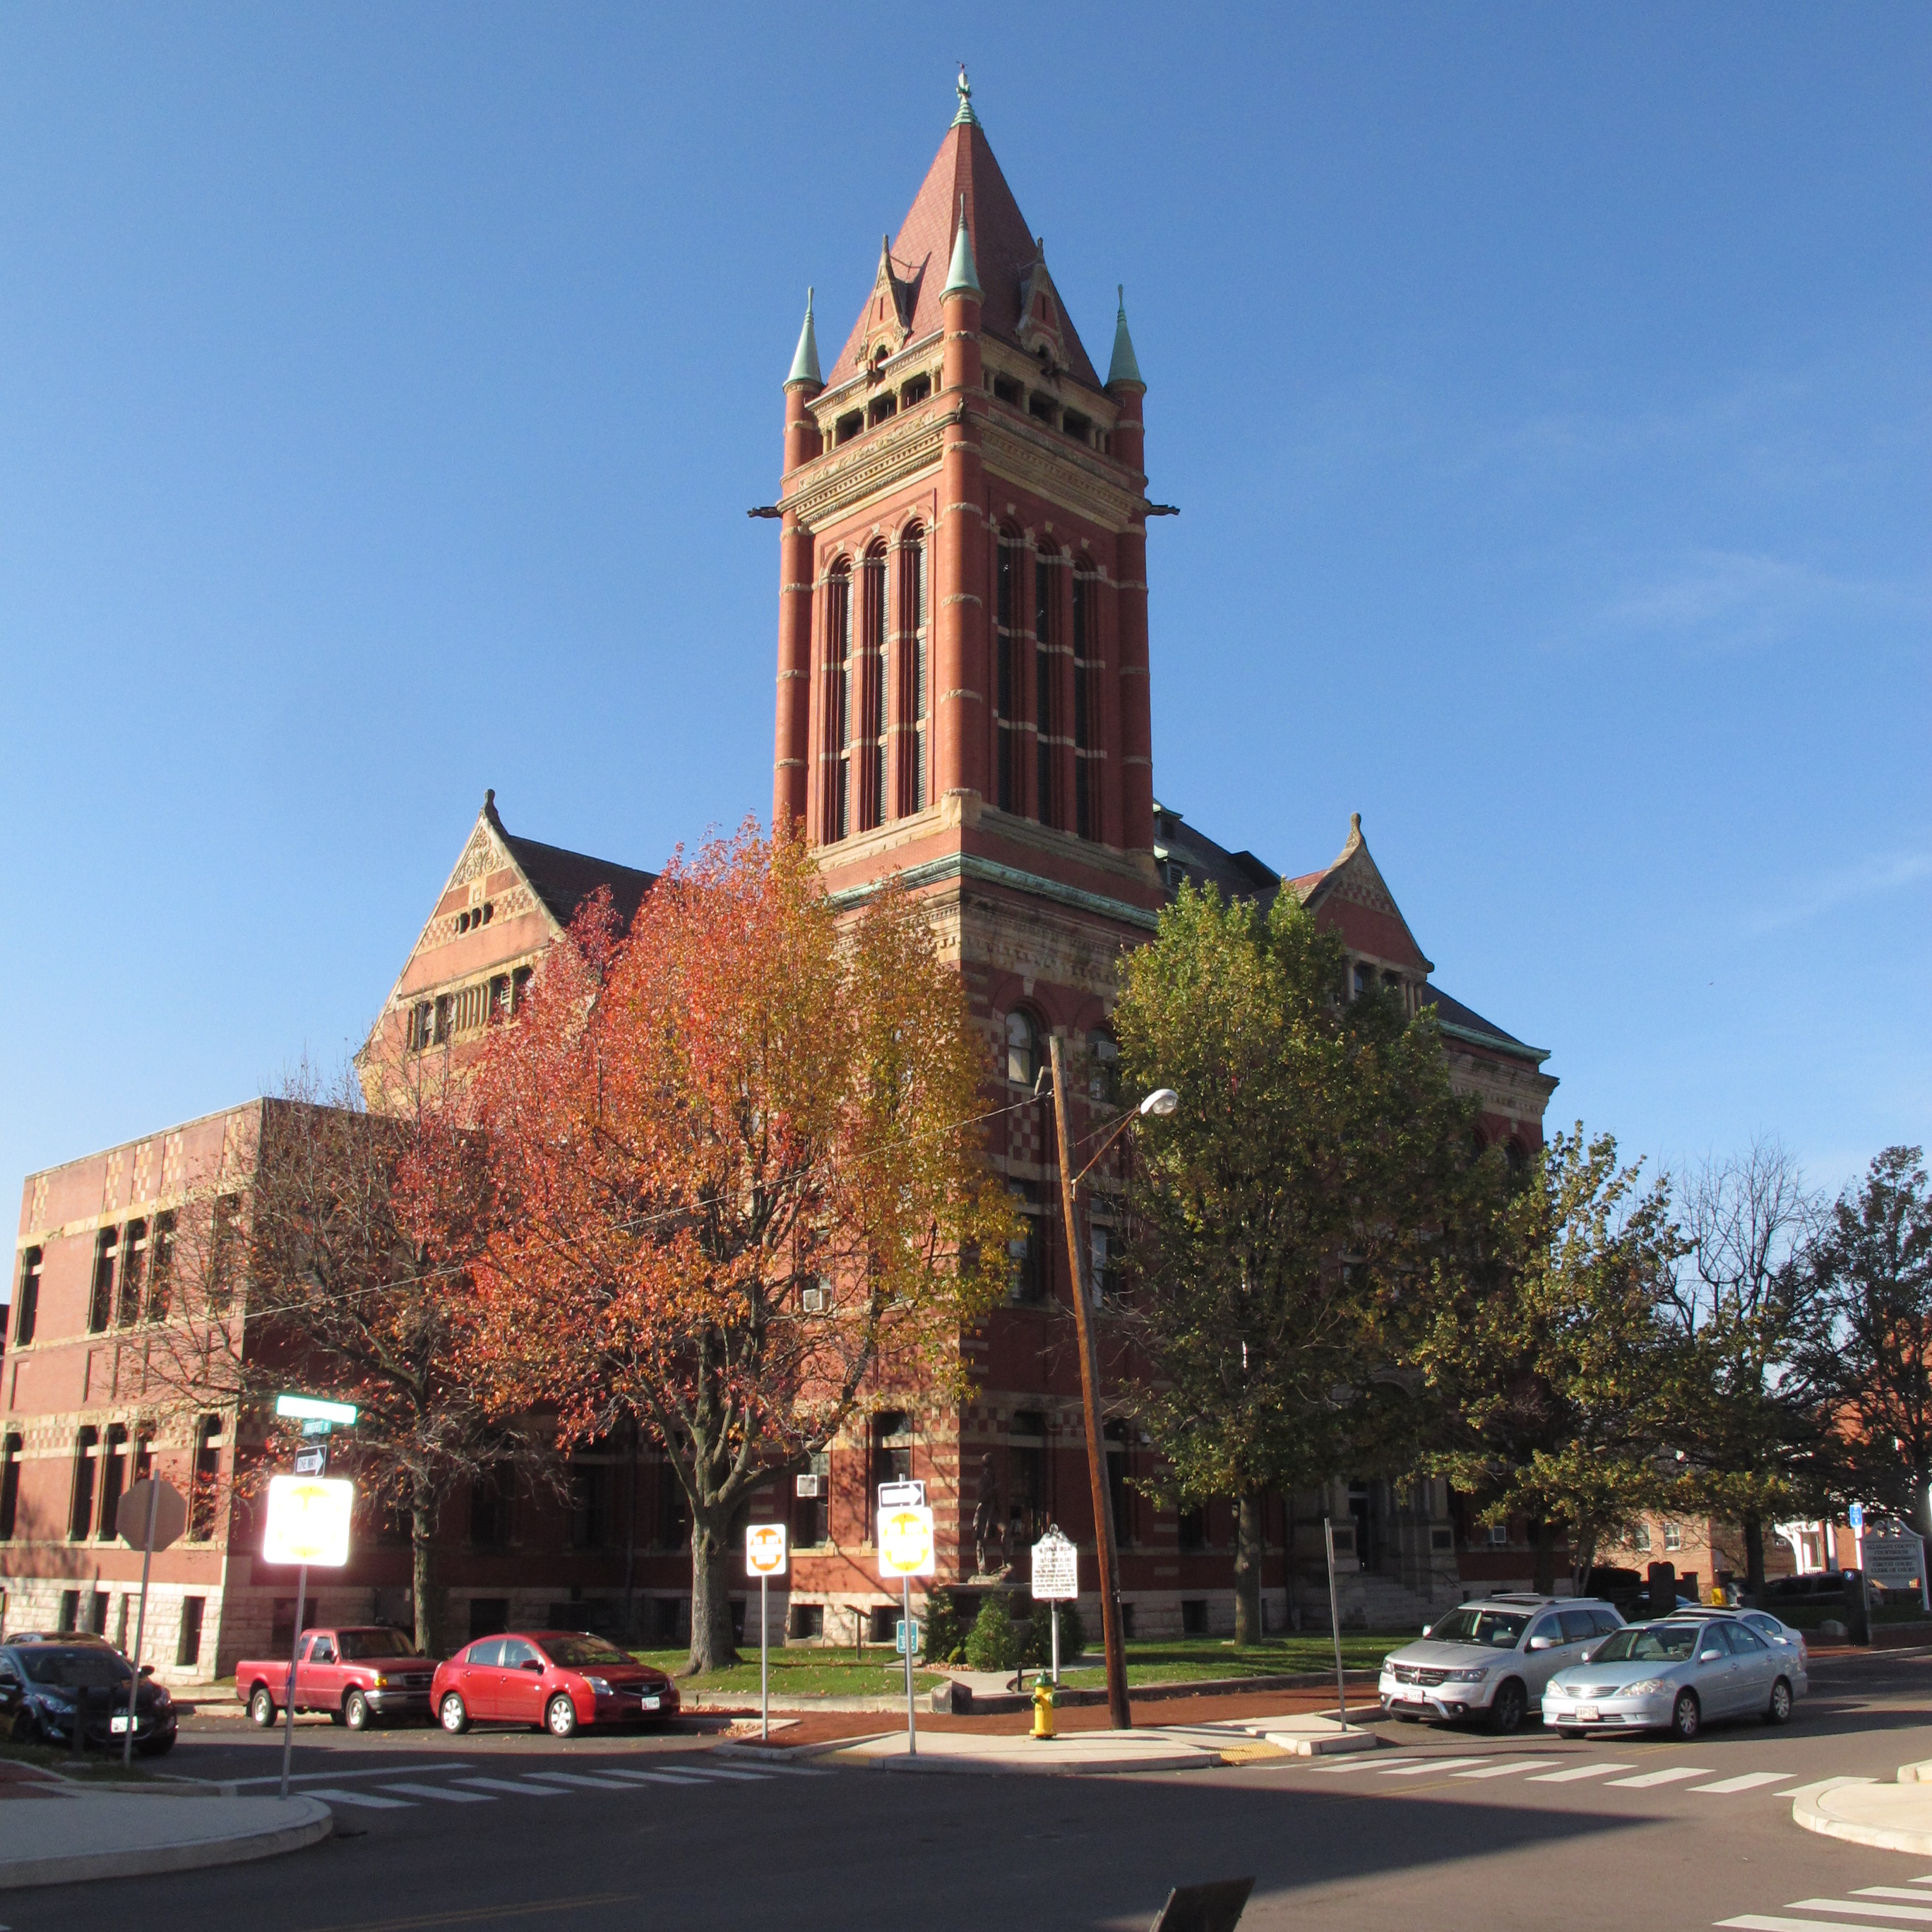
316, 1408
906, 1546
308, 1521
1056, 1569
765, 1550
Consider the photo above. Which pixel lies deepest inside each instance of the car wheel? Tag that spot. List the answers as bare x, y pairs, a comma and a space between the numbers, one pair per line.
560, 1718
355, 1712
1508, 1708
1779, 1711
451, 1714
261, 1707
1686, 1715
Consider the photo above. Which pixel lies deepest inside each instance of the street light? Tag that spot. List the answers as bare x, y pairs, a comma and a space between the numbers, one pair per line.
1162, 1101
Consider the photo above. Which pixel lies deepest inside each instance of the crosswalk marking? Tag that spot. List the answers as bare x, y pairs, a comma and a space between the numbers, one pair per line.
1427, 1765
655, 1776
1362, 1762
581, 1778
1890, 1891
374, 1803
1671, 1775
442, 1792
718, 1770
342, 1777
1766, 1921
1508, 1767
1916, 1914
1577, 1771
795, 1770
524, 1789
1749, 1781
1822, 1784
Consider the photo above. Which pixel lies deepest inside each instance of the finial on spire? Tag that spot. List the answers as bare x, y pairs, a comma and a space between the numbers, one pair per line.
1123, 368
963, 280
804, 363
965, 118
1354, 825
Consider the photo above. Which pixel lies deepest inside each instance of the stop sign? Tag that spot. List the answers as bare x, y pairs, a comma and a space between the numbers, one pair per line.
130, 1519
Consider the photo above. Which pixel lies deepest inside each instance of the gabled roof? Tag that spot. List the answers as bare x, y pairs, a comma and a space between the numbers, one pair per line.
563, 879
1004, 249
1354, 879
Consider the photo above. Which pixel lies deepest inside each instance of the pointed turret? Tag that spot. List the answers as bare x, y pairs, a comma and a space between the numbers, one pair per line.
804, 363
1123, 371
964, 279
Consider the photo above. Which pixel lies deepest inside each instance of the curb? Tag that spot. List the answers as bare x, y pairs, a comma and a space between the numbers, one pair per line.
1809, 1812
1002, 1703
231, 1849
1192, 1760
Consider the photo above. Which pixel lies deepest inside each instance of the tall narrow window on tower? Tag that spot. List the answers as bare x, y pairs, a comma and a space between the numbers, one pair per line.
1086, 690
1046, 674
1008, 649
910, 677
872, 751
839, 659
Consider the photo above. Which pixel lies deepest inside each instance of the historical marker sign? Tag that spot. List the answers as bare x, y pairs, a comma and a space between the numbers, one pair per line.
1056, 1569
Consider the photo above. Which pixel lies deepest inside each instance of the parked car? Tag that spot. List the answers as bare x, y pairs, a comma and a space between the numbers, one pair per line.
1788, 1642
47, 1689
559, 1681
1492, 1659
357, 1673
1674, 1674
1820, 1589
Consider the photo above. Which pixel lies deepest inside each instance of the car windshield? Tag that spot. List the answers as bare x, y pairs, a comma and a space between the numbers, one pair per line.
574, 1651
89, 1669
357, 1644
1495, 1630
1649, 1643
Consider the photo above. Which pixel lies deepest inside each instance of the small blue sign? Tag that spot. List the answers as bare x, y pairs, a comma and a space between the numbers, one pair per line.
1856, 1516
902, 1630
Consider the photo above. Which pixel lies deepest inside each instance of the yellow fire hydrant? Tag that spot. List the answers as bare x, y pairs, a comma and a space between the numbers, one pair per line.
1043, 1707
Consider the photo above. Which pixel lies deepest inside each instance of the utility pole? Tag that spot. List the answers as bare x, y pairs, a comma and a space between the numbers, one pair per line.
1118, 1709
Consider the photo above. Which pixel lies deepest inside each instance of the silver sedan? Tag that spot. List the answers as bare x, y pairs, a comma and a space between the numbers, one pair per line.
1671, 1675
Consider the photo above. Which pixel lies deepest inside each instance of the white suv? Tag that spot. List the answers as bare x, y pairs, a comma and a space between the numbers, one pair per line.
1492, 1658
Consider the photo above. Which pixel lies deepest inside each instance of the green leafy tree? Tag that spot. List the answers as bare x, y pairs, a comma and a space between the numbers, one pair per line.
1316, 1178
1872, 1268
1554, 1363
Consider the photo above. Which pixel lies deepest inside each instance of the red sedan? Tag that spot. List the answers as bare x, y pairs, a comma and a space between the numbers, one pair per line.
559, 1681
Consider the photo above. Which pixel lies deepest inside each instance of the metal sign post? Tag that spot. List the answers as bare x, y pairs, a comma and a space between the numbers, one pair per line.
153, 1519
1335, 1621
1056, 1580
765, 1558
307, 1523
906, 1550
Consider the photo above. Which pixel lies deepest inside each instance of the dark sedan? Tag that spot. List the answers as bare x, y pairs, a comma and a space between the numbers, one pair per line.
558, 1681
49, 1688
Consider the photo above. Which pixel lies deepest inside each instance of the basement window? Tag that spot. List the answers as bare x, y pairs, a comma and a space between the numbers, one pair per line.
847, 427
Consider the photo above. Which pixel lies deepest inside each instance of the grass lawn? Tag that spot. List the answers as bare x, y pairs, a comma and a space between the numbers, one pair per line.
798, 1671
1179, 1660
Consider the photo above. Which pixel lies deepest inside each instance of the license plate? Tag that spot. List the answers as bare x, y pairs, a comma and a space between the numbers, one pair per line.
1586, 1714
118, 1725
650, 1703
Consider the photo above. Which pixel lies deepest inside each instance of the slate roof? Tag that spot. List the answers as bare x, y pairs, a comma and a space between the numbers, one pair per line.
1004, 249
563, 879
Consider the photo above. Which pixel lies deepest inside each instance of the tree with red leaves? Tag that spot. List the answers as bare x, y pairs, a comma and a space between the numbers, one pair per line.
745, 1097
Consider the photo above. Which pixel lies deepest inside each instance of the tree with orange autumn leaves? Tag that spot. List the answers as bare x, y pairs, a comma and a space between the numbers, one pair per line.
746, 1097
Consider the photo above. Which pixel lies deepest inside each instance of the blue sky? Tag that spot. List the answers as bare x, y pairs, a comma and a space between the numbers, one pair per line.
1546, 391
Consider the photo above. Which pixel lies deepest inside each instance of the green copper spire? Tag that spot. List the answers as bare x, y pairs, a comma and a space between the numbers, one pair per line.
964, 278
965, 118
804, 364
1123, 369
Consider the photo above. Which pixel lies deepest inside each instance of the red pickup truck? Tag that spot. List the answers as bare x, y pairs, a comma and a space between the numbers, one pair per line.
355, 1672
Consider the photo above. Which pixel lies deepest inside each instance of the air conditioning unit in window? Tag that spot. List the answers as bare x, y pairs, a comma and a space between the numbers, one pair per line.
816, 1301
807, 1486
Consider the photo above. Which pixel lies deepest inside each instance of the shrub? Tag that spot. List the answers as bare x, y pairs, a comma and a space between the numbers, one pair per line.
1039, 1638
942, 1639
992, 1645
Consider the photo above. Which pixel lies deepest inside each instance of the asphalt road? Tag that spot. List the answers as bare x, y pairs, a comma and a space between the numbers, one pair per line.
1445, 1830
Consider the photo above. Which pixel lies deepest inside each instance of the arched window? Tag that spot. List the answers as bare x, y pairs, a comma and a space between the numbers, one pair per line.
839, 664
1006, 648
910, 678
871, 690
1048, 806
1086, 711
1022, 1048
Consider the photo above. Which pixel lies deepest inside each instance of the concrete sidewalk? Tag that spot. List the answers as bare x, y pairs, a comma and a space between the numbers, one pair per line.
1895, 1817
63, 1832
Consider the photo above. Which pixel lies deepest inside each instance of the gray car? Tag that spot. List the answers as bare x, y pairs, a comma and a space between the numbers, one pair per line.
1490, 1660
1673, 1676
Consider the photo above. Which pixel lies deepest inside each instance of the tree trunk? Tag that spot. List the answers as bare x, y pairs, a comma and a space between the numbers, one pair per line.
1754, 1556
712, 1646
1248, 1568
422, 1566
1546, 1556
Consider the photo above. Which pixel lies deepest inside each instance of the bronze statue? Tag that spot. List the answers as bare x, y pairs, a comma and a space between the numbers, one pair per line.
989, 1532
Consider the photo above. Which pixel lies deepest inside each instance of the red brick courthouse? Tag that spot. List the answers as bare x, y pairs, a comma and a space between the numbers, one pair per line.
964, 698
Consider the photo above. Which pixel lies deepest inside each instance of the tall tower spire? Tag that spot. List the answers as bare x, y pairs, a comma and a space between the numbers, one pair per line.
1123, 368
964, 279
804, 363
